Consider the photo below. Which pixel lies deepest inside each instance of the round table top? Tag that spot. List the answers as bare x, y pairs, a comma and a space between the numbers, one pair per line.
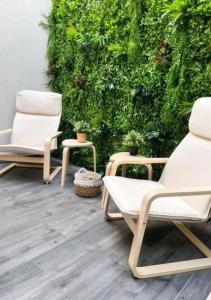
73, 143
124, 155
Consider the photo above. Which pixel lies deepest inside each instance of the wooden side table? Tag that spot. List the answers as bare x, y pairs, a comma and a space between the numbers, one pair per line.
70, 144
122, 159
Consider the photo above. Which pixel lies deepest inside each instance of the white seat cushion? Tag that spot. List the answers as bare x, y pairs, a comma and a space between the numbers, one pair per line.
18, 149
129, 193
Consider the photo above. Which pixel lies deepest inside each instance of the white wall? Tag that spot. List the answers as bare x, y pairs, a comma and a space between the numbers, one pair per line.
23, 46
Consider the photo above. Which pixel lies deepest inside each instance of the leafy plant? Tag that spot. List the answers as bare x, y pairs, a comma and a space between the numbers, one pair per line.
179, 11
81, 127
186, 108
133, 139
128, 64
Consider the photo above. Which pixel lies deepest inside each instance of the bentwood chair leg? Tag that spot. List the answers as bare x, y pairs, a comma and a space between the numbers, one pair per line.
136, 246
110, 170
65, 164
47, 166
108, 215
166, 269
7, 168
105, 192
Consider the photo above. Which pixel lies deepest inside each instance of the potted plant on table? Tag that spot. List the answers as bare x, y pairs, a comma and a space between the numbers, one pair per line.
133, 141
81, 128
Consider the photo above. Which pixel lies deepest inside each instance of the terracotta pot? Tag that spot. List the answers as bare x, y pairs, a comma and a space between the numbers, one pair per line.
82, 137
133, 151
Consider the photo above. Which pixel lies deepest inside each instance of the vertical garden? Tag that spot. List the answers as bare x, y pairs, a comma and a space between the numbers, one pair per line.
129, 64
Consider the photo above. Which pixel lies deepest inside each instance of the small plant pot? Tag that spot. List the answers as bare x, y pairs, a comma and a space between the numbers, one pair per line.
82, 137
133, 151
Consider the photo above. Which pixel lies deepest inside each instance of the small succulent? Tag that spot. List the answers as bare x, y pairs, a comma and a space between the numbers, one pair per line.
81, 127
133, 139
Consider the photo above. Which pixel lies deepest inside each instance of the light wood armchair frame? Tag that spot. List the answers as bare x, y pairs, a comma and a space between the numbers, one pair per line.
138, 227
111, 170
39, 161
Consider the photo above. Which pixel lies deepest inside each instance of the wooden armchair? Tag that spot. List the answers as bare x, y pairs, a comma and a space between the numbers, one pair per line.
34, 133
183, 194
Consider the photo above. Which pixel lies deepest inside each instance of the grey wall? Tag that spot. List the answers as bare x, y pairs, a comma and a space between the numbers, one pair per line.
22, 52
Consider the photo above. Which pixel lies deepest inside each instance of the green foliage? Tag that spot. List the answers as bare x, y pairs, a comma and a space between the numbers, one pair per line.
180, 11
126, 65
133, 139
81, 127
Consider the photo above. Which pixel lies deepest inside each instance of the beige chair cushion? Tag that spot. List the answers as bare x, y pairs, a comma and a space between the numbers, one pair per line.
190, 166
38, 103
200, 120
17, 149
129, 193
32, 130
37, 119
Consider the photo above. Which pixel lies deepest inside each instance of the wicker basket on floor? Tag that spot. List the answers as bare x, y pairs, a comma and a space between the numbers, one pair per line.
87, 184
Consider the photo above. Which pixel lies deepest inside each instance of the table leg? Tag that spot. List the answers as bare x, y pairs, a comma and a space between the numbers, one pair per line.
124, 170
65, 164
105, 192
94, 158
149, 168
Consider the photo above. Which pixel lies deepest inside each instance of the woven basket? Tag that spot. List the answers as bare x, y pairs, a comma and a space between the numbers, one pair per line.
87, 184
87, 192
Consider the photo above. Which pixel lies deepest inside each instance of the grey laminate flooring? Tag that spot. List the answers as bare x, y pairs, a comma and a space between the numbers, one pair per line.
55, 245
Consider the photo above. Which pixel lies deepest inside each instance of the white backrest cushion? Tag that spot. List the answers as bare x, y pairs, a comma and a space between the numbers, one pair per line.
32, 130
39, 103
189, 166
200, 120
37, 118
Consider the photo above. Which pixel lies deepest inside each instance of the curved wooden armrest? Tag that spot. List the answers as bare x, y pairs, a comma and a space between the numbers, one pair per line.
6, 132
48, 140
170, 192
177, 192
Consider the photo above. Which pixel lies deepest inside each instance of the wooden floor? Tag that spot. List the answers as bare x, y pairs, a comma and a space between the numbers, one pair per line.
55, 245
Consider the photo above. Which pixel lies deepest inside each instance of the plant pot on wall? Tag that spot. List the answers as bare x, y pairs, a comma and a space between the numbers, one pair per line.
133, 151
81, 137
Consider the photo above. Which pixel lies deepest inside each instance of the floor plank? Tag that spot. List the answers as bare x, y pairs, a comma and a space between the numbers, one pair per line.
56, 245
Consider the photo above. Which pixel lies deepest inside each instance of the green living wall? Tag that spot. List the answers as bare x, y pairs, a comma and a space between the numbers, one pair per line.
129, 64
